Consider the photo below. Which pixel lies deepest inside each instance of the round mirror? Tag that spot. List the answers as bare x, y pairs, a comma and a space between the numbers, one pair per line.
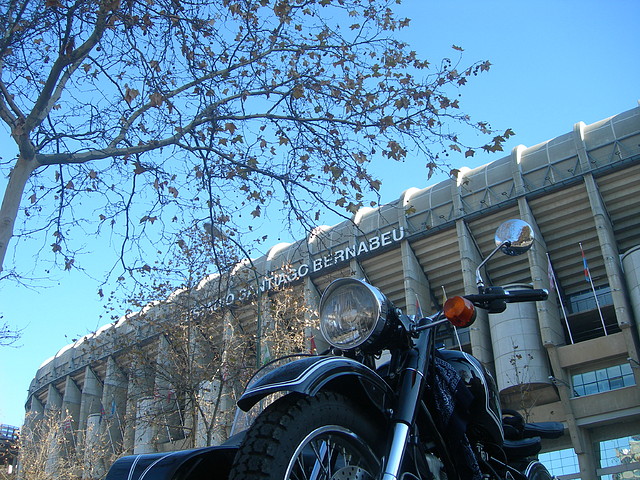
514, 237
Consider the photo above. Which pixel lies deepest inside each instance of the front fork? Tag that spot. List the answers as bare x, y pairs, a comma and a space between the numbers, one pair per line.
412, 384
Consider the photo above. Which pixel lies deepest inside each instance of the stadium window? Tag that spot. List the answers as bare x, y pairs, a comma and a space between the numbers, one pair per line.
618, 452
561, 462
602, 380
584, 301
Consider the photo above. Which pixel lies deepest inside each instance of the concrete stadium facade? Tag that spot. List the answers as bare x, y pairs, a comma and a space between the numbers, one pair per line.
573, 358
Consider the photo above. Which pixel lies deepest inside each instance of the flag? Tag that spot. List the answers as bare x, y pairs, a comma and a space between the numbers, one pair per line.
587, 277
418, 309
550, 274
66, 424
587, 274
313, 348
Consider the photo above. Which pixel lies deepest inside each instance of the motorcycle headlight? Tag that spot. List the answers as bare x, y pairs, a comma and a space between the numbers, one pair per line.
352, 314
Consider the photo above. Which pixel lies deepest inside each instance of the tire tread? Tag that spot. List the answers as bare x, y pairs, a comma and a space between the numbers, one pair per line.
269, 431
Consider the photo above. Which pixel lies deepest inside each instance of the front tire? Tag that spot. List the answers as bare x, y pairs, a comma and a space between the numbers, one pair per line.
326, 437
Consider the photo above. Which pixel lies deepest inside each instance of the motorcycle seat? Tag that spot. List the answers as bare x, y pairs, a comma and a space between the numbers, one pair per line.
526, 447
543, 430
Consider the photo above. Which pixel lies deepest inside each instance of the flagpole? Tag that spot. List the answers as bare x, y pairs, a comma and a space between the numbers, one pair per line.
587, 275
554, 286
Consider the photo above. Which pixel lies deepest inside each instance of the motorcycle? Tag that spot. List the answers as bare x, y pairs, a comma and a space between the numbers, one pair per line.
426, 413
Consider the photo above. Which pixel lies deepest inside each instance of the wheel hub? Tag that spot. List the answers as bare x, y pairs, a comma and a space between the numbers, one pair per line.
351, 472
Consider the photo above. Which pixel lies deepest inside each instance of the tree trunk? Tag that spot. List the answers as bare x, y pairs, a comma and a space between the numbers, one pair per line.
11, 202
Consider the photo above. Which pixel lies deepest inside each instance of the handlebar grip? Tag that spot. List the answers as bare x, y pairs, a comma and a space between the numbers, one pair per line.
514, 296
495, 300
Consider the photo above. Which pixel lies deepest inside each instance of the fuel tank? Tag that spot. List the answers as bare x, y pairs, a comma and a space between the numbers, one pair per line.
486, 415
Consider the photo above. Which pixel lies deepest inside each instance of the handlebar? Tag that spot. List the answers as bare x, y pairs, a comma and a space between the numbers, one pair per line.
511, 296
536, 295
495, 298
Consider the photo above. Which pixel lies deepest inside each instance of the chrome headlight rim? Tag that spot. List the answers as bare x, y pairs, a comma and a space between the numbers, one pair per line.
382, 307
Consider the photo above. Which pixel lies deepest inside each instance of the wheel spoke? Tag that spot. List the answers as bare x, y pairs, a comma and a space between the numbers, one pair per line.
329, 454
321, 454
301, 468
333, 457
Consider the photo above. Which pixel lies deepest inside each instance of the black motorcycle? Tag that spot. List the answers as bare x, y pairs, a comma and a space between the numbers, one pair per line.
423, 414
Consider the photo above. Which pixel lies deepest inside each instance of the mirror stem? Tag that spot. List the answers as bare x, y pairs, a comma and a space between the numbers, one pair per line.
479, 280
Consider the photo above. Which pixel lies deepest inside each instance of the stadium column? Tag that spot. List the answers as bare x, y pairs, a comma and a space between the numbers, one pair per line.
197, 352
164, 374
209, 394
31, 434
148, 411
114, 400
146, 428
33, 416
356, 269
551, 329
208, 390
313, 335
95, 459
220, 426
417, 289
470, 258
138, 389
90, 402
631, 263
610, 254
606, 236
54, 400
580, 438
71, 413
211, 418
265, 326
266, 330
169, 408
53, 415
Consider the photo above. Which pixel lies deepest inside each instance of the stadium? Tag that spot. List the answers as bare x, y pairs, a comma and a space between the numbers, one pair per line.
573, 358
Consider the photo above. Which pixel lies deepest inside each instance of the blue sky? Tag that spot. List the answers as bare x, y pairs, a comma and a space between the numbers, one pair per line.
554, 63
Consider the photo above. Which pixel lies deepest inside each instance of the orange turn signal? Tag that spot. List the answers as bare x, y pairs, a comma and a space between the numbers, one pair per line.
459, 311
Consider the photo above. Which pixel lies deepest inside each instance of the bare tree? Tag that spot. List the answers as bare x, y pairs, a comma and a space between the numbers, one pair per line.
8, 335
49, 450
522, 395
162, 113
200, 353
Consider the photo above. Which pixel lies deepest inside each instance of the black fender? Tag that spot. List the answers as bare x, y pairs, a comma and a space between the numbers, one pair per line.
212, 463
311, 374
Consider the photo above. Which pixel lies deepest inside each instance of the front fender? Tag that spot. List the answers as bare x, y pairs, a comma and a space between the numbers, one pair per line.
208, 462
312, 374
